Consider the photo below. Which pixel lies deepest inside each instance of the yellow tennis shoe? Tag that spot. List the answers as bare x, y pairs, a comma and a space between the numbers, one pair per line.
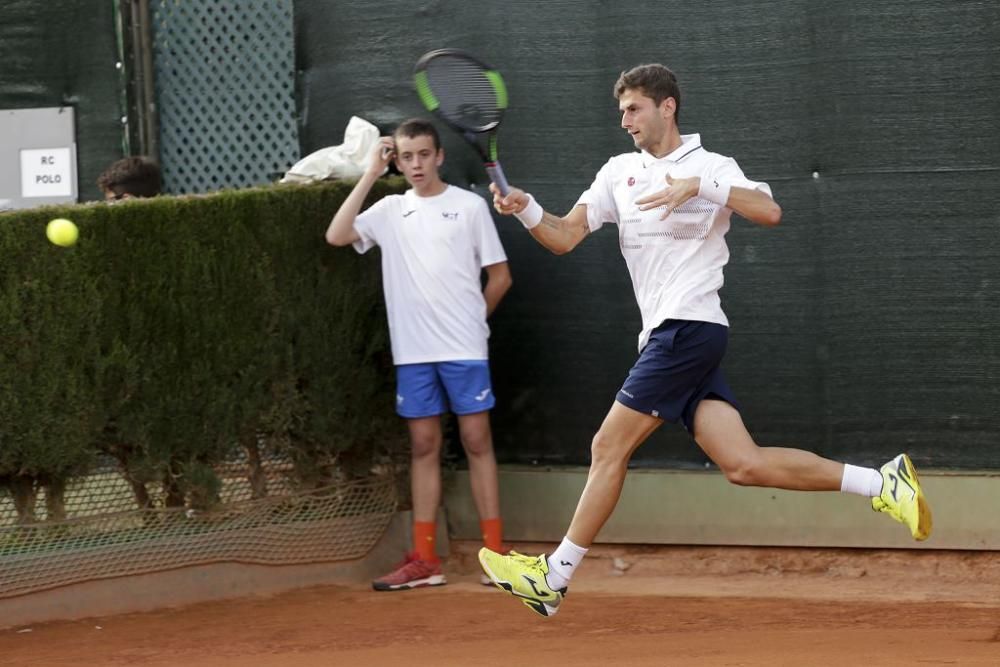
523, 577
902, 498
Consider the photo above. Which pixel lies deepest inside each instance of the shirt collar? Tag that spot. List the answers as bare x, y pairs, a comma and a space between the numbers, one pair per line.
689, 144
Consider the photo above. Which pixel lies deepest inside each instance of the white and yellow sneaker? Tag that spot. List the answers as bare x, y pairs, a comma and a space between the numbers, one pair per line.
523, 577
902, 498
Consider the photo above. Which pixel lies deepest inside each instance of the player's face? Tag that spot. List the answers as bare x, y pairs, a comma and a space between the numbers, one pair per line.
645, 122
417, 159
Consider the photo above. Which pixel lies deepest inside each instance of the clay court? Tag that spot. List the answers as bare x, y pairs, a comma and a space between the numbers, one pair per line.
629, 606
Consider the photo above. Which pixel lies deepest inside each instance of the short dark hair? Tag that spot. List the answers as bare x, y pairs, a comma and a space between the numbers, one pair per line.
418, 127
135, 175
655, 81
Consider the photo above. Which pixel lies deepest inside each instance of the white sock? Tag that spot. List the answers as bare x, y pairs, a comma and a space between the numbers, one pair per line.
563, 563
862, 481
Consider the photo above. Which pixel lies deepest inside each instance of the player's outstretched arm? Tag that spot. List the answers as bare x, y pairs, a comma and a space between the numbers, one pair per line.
341, 230
755, 206
560, 235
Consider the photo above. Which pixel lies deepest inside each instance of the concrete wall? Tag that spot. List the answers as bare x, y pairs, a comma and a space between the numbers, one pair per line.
683, 507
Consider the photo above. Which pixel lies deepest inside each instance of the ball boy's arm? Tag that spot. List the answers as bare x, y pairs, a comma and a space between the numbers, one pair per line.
498, 281
341, 231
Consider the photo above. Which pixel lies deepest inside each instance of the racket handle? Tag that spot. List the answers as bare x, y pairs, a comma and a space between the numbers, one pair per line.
496, 175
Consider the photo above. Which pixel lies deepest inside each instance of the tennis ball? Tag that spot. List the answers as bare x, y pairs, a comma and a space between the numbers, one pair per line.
62, 232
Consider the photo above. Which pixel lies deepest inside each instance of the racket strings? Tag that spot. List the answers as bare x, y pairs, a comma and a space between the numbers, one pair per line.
466, 96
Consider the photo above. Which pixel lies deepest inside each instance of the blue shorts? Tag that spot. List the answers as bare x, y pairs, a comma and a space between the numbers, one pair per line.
677, 369
425, 390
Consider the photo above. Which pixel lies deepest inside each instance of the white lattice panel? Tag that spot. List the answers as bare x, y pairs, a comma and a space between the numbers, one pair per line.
225, 92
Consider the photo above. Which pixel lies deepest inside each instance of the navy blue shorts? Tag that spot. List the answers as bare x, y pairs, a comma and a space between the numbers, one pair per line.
425, 390
678, 368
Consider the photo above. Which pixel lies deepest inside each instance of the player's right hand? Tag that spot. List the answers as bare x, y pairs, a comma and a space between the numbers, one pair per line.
515, 201
382, 153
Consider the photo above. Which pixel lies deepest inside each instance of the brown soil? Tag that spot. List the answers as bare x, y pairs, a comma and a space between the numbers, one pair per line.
627, 606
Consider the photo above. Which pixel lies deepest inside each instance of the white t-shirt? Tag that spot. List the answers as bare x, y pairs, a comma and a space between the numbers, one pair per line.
433, 252
675, 264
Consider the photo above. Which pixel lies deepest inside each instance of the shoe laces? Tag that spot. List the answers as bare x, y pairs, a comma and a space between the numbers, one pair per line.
532, 561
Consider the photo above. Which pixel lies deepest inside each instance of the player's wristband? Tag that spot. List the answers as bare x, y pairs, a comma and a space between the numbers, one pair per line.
714, 190
531, 215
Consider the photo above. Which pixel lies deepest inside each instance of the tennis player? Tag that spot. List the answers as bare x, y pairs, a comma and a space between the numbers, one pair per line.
672, 201
436, 240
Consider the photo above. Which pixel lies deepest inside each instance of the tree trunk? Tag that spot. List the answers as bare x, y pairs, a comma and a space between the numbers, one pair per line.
255, 474
173, 494
140, 492
55, 500
120, 452
22, 489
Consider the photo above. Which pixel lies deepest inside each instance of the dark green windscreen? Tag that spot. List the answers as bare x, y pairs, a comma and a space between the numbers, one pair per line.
863, 326
63, 54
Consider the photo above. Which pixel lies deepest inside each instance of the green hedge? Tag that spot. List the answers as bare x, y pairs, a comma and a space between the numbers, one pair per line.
179, 329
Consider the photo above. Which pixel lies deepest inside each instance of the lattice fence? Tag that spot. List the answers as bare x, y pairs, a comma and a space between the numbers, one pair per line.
106, 536
225, 81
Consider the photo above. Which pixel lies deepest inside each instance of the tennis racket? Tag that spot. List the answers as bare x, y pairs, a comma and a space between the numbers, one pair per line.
468, 95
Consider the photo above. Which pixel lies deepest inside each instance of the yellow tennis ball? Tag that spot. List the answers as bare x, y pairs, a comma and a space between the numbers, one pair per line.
62, 232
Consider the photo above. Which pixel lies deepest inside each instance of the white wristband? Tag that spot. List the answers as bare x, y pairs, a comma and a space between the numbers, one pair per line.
714, 190
531, 215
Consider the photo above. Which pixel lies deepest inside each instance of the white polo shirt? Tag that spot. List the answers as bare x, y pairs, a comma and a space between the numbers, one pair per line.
675, 264
433, 252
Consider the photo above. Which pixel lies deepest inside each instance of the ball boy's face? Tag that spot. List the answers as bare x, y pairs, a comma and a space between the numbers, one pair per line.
418, 161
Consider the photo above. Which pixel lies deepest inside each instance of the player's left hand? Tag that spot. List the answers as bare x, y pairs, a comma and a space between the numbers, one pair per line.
678, 191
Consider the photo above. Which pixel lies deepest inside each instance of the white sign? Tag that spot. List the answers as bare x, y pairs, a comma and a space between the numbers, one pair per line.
46, 172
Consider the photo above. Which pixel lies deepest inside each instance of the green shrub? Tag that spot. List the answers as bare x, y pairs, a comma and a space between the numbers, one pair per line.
179, 329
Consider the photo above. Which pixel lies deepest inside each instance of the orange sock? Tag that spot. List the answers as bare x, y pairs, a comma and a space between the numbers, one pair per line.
492, 530
424, 534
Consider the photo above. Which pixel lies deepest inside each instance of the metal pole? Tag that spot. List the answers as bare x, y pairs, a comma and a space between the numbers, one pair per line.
144, 76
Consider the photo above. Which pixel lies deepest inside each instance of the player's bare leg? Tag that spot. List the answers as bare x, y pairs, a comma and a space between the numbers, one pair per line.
540, 582
894, 489
719, 430
623, 430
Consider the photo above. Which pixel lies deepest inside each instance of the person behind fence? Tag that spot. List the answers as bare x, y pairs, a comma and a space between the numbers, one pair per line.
130, 177
436, 240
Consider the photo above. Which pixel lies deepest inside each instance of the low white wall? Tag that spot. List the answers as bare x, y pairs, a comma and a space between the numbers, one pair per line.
682, 507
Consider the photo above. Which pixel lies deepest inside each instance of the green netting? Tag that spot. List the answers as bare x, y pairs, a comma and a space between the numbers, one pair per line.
105, 535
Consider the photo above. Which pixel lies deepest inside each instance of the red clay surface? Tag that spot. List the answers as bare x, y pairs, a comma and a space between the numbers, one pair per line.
663, 607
